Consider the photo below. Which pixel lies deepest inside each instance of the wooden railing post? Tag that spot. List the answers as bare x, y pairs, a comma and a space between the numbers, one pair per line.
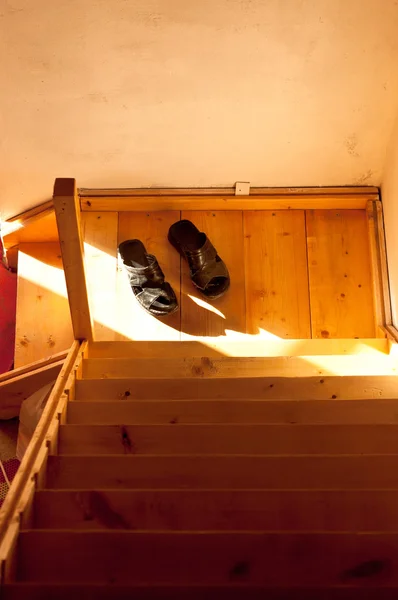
67, 210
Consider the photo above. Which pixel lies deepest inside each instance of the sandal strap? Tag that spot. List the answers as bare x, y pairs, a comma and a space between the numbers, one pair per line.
204, 265
151, 276
148, 296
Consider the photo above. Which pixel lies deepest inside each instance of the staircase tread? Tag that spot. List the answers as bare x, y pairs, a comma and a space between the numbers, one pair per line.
241, 471
226, 425
214, 557
206, 532
134, 457
269, 411
228, 490
249, 367
236, 591
257, 347
277, 388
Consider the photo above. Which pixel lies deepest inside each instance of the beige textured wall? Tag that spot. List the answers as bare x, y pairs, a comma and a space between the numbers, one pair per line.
194, 92
389, 193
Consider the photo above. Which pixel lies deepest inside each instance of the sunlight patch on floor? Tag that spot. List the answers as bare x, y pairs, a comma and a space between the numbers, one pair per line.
46, 276
206, 306
358, 364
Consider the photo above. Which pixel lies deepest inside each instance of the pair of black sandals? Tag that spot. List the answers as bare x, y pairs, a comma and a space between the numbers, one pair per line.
208, 272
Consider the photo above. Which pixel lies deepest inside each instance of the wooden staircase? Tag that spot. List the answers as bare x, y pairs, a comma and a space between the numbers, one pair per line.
211, 485
206, 470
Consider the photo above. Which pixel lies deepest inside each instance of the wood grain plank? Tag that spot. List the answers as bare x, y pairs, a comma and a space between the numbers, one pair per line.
35, 366
381, 239
40, 228
65, 591
178, 412
199, 315
228, 439
226, 202
222, 471
99, 231
212, 558
43, 325
231, 366
227, 347
13, 227
377, 284
277, 300
340, 274
67, 212
271, 388
152, 229
219, 510
317, 191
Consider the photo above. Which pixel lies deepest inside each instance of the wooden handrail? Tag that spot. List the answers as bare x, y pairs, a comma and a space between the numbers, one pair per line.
9, 513
34, 366
67, 210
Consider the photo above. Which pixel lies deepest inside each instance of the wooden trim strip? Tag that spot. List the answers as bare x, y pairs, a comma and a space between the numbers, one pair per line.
30, 375
381, 240
377, 286
36, 211
378, 254
67, 212
229, 191
392, 333
225, 202
34, 366
26, 218
18, 498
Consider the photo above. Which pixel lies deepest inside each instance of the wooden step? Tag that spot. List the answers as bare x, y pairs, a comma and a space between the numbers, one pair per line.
37, 591
229, 367
228, 439
260, 558
234, 411
219, 472
272, 388
220, 510
216, 348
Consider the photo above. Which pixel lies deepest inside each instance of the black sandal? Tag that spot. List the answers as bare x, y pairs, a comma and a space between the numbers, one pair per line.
155, 295
208, 272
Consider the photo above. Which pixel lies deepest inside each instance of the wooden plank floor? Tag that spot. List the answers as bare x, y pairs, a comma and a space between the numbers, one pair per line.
199, 317
100, 242
133, 321
286, 267
294, 274
43, 325
276, 272
340, 274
